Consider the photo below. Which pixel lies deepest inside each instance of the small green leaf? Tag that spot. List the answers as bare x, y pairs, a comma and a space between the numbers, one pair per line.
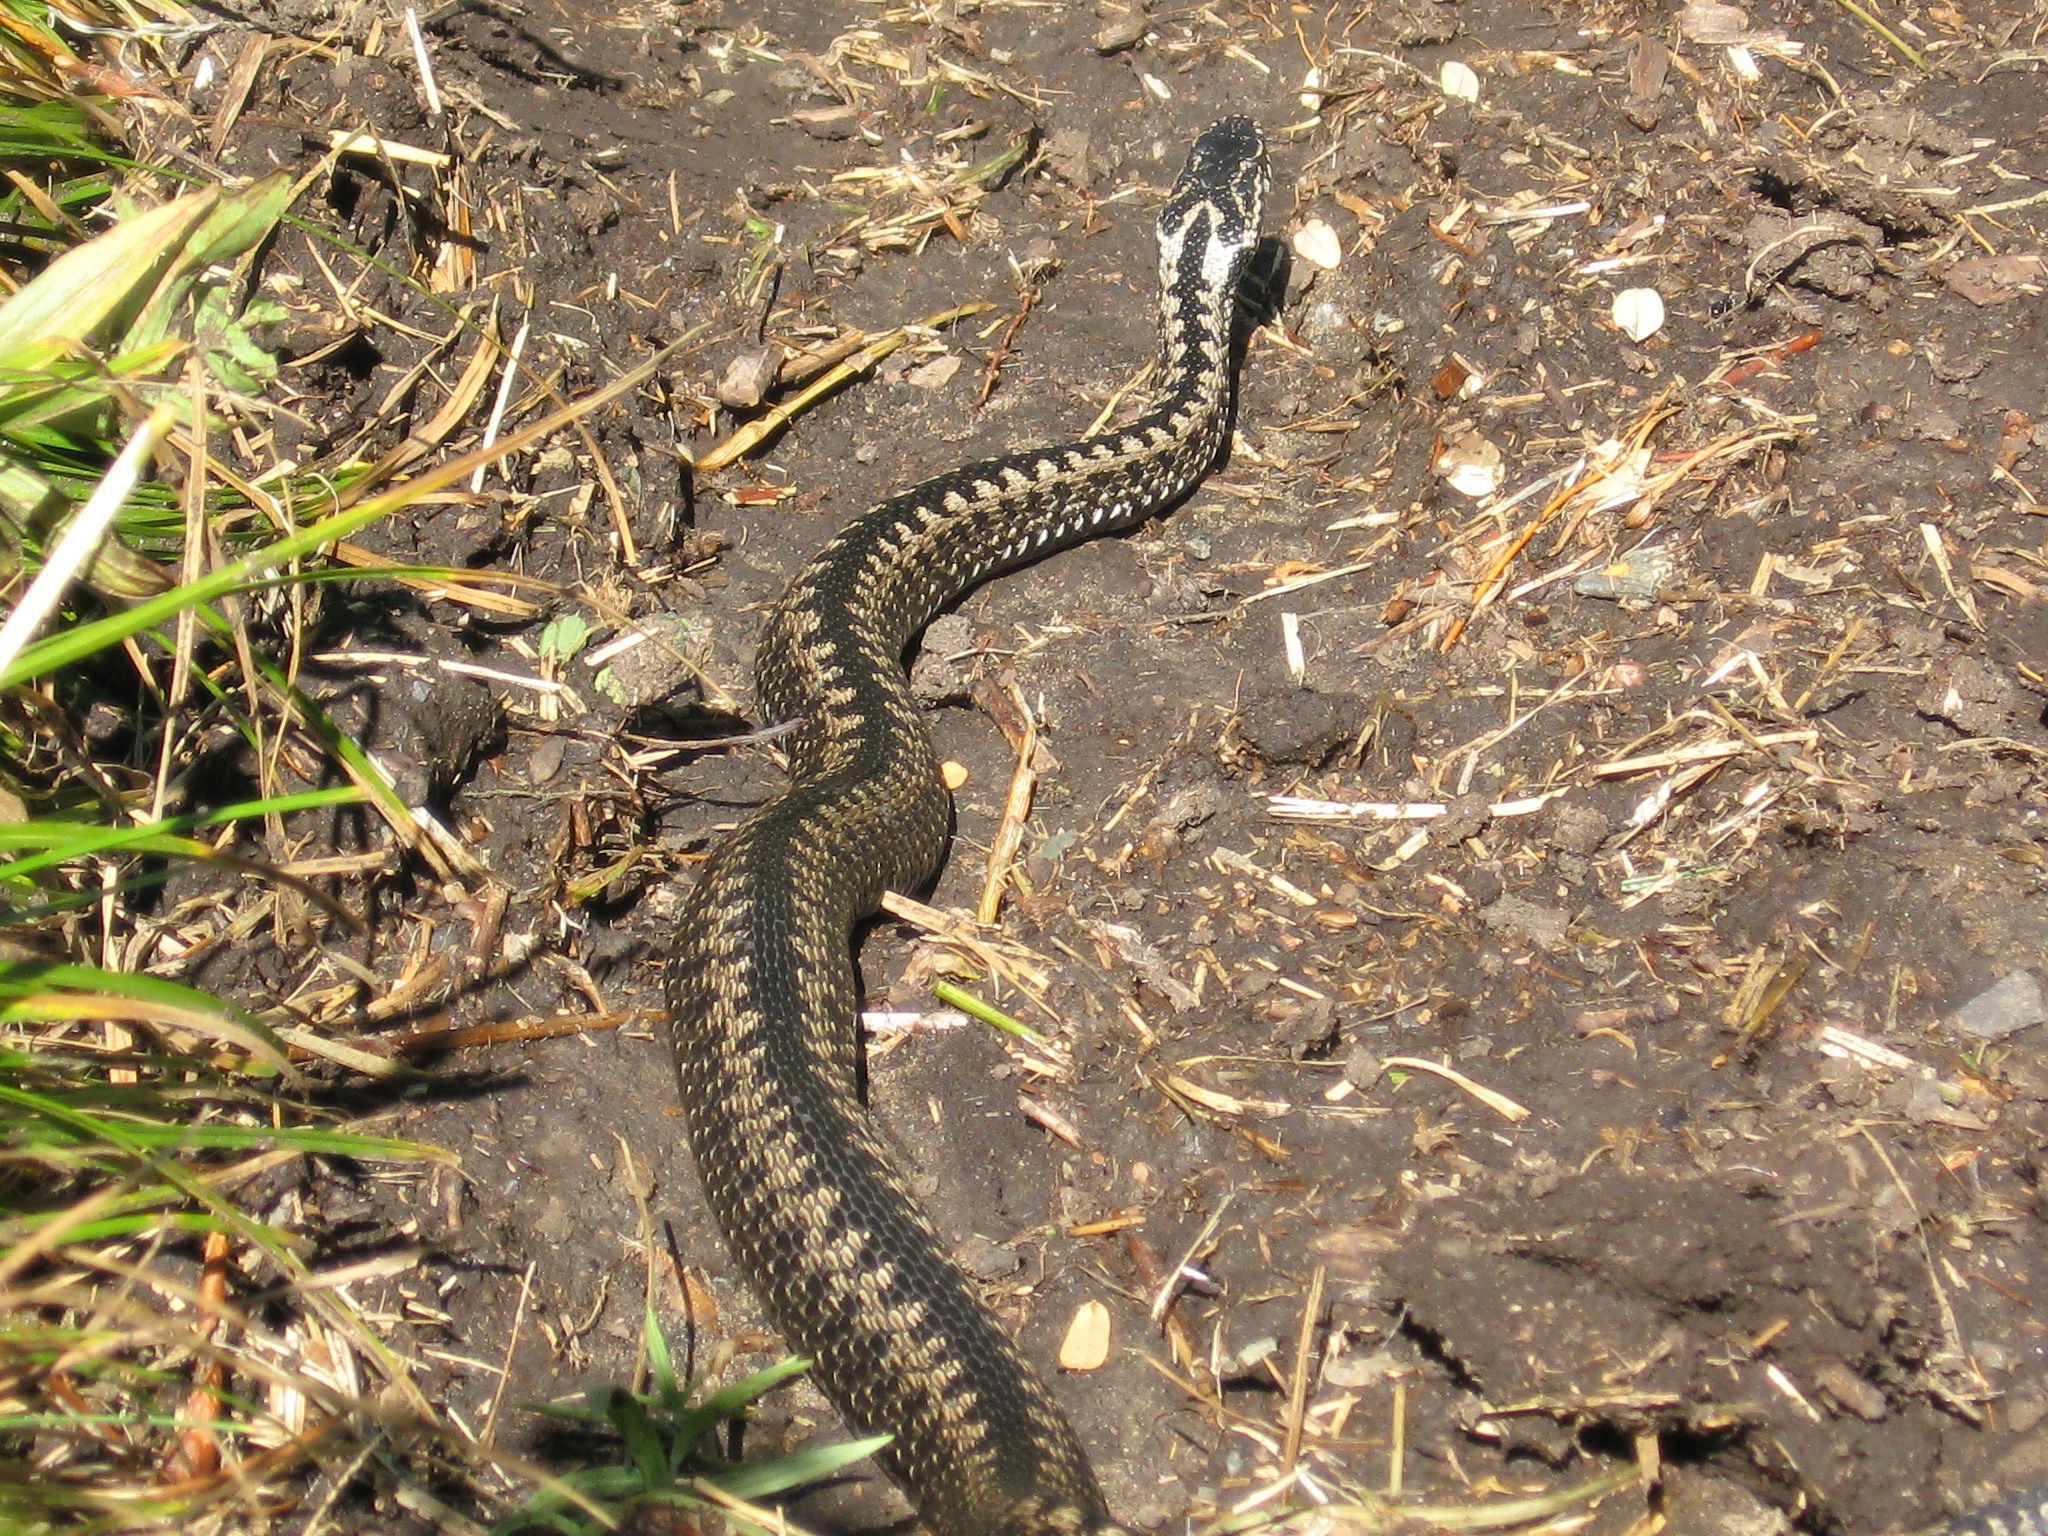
564, 636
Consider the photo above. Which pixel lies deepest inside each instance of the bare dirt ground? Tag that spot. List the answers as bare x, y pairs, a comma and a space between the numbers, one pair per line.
1703, 675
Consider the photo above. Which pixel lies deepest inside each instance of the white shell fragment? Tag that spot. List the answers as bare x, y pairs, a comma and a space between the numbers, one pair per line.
1459, 81
1639, 313
1312, 90
1317, 244
1086, 1346
1470, 465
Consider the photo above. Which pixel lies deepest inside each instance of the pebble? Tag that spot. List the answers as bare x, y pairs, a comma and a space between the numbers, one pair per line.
2011, 1004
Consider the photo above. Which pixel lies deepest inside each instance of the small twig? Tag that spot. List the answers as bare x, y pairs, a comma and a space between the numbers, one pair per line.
1009, 839
614, 498
1027, 300
511, 1345
1050, 1119
1138, 381
1703, 752
423, 1040
1302, 808
1742, 372
1397, 1440
498, 406
1951, 1332
198, 1451
1304, 1351
1177, 1277
1496, 1515
761, 737
425, 61
754, 433
341, 141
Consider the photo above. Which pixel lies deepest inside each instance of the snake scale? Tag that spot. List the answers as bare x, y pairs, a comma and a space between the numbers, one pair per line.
762, 993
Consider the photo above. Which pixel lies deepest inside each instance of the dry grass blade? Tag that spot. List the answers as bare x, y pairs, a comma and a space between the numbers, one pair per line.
756, 432
82, 536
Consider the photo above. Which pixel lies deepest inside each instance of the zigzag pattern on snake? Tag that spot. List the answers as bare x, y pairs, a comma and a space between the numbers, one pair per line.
762, 994
762, 987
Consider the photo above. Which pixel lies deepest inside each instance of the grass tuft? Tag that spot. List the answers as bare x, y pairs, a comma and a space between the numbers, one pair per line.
659, 1458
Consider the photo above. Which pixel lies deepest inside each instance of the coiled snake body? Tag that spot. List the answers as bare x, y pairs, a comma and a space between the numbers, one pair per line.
762, 990
762, 993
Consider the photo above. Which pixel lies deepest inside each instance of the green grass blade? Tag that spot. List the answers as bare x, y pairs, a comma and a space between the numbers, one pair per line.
661, 1363
764, 1479
629, 1417
730, 1402
97, 288
63, 841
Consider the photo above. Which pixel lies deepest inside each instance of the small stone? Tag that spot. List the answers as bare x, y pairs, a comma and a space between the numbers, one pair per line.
1361, 1370
2011, 1004
1466, 816
935, 374
428, 730
1578, 829
943, 672
1318, 244
1851, 1391
1636, 577
1070, 152
651, 662
1362, 1067
1713, 1506
1300, 727
2025, 1408
1979, 698
1124, 25
986, 1259
1086, 1346
1519, 918
749, 377
841, 122
546, 760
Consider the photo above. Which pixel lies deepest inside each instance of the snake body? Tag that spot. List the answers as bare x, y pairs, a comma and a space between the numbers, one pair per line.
762, 994
763, 1003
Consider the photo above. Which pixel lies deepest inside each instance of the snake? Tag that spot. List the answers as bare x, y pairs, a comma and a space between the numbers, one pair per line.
763, 999
763, 1003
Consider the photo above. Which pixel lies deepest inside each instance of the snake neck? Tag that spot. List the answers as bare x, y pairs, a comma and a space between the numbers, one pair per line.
839, 633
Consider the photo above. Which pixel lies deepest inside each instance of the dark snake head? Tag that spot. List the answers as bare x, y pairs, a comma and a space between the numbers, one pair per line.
1213, 212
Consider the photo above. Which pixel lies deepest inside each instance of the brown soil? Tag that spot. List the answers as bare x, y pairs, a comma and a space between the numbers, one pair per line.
1774, 1204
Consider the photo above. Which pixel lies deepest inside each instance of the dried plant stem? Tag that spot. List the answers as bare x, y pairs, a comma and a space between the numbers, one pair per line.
76, 545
